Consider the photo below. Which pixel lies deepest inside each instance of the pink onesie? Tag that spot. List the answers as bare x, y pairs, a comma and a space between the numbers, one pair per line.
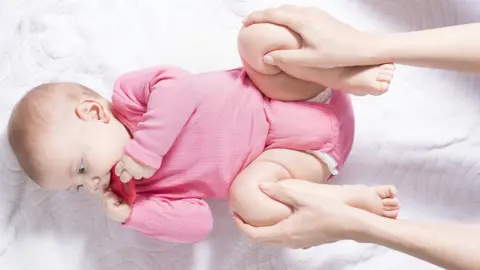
201, 130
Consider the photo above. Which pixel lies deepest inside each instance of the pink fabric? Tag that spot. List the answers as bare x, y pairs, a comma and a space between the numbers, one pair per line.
201, 130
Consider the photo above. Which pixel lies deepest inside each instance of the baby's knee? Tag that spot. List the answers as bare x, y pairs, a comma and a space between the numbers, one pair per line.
257, 40
257, 211
255, 208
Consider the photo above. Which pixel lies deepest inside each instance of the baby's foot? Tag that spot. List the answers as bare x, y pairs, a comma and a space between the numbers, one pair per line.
380, 200
372, 80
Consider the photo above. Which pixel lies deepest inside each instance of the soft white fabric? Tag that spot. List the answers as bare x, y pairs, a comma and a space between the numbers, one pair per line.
423, 135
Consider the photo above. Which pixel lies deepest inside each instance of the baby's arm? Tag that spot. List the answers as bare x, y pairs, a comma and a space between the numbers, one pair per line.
163, 97
179, 221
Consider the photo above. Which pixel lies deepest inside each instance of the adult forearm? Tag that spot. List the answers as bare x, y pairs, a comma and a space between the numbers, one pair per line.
453, 48
452, 246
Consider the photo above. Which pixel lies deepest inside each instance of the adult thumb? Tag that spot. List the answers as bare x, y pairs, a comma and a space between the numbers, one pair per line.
300, 57
281, 193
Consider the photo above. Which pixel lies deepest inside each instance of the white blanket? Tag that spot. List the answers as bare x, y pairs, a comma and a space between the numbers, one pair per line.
423, 136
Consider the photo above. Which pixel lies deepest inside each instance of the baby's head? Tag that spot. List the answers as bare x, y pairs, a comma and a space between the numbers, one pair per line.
65, 136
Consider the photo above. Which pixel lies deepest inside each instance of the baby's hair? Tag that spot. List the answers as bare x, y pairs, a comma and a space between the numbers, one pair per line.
34, 118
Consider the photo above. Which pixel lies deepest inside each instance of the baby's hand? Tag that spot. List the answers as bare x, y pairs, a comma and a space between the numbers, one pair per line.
127, 168
115, 208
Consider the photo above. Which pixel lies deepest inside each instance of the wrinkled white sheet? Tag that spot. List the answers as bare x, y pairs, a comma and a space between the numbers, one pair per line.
423, 136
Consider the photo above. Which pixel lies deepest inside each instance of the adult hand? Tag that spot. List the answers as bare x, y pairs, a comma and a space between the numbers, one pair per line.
327, 41
315, 220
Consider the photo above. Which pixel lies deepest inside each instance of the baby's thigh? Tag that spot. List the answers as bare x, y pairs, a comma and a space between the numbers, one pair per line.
256, 208
256, 40
259, 39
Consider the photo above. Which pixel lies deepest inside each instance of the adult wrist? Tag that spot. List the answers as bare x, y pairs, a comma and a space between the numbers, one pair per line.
373, 49
381, 46
362, 226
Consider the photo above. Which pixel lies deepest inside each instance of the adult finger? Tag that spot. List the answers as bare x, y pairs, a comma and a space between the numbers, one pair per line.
301, 57
259, 234
276, 235
282, 193
285, 16
293, 192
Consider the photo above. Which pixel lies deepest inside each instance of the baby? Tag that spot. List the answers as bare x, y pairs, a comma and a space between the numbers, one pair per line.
189, 137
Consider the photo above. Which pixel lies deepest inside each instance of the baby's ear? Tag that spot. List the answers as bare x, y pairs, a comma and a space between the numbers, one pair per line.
92, 110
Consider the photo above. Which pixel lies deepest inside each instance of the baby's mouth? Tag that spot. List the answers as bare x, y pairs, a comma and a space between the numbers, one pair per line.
105, 183
104, 188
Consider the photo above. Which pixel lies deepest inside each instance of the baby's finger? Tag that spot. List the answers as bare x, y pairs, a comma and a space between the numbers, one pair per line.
136, 175
149, 173
108, 196
145, 174
119, 168
125, 177
112, 200
106, 200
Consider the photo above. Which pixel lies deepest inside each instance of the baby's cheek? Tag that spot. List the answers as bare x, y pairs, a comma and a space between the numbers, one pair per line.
106, 155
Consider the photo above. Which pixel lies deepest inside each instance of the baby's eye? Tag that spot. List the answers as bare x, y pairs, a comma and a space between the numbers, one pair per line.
81, 168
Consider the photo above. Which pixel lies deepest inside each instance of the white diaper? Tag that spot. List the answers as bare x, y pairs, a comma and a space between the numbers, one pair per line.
331, 163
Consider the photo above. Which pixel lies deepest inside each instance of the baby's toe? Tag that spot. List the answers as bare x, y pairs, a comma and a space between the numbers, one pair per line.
391, 202
387, 191
391, 214
384, 77
388, 67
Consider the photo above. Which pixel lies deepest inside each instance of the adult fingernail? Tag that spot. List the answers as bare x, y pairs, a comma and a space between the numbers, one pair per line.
268, 59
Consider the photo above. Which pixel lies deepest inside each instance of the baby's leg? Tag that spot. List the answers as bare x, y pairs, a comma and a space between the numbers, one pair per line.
277, 82
257, 209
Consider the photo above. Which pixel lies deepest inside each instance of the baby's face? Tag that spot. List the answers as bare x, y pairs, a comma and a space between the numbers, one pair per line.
82, 151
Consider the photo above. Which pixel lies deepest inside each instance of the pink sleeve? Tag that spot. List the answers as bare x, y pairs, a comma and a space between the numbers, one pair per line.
169, 103
179, 221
